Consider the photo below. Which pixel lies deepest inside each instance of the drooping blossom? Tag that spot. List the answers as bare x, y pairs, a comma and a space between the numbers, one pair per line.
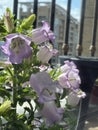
43, 34
52, 113
75, 96
44, 86
45, 54
17, 47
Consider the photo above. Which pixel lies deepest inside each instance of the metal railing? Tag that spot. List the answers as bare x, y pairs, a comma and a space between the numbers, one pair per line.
79, 47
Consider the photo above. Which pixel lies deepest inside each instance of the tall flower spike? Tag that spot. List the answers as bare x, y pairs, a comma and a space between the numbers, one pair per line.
17, 47
43, 34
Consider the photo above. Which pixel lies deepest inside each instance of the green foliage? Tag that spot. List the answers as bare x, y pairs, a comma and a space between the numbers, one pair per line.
54, 73
9, 25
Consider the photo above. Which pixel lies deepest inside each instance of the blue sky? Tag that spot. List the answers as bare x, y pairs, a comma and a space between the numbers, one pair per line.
75, 10
4, 4
75, 7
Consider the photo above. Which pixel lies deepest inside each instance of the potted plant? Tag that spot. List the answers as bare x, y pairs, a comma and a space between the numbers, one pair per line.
34, 94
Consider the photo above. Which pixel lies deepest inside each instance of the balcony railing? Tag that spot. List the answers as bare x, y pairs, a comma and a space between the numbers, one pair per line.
87, 64
82, 24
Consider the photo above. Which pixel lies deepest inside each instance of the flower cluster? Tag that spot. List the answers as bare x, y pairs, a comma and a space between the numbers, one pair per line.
32, 80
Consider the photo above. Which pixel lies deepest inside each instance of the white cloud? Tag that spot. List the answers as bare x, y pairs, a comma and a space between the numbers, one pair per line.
75, 12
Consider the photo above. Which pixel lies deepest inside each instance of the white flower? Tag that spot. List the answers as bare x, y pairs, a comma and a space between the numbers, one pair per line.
73, 99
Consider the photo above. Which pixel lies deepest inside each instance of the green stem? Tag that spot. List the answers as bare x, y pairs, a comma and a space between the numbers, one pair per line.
14, 97
30, 105
14, 94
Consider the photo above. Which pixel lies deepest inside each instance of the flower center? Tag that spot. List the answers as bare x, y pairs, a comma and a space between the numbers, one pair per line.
16, 44
46, 92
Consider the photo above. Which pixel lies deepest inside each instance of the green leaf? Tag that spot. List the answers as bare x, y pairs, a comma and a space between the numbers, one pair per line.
4, 92
54, 73
64, 93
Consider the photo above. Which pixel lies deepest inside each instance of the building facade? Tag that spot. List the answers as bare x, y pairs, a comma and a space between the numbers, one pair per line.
88, 28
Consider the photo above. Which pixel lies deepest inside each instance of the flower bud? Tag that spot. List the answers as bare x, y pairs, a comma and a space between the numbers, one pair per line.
28, 22
8, 21
5, 107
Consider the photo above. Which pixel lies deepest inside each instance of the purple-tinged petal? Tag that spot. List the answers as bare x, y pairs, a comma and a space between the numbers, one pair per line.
68, 66
40, 81
74, 79
38, 36
52, 113
43, 34
15, 35
46, 96
45, 54
69, 80
45, 26
43, 85
47, 32
70, 76
63, 81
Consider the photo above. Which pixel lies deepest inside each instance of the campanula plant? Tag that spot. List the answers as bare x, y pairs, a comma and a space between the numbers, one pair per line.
34, 94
